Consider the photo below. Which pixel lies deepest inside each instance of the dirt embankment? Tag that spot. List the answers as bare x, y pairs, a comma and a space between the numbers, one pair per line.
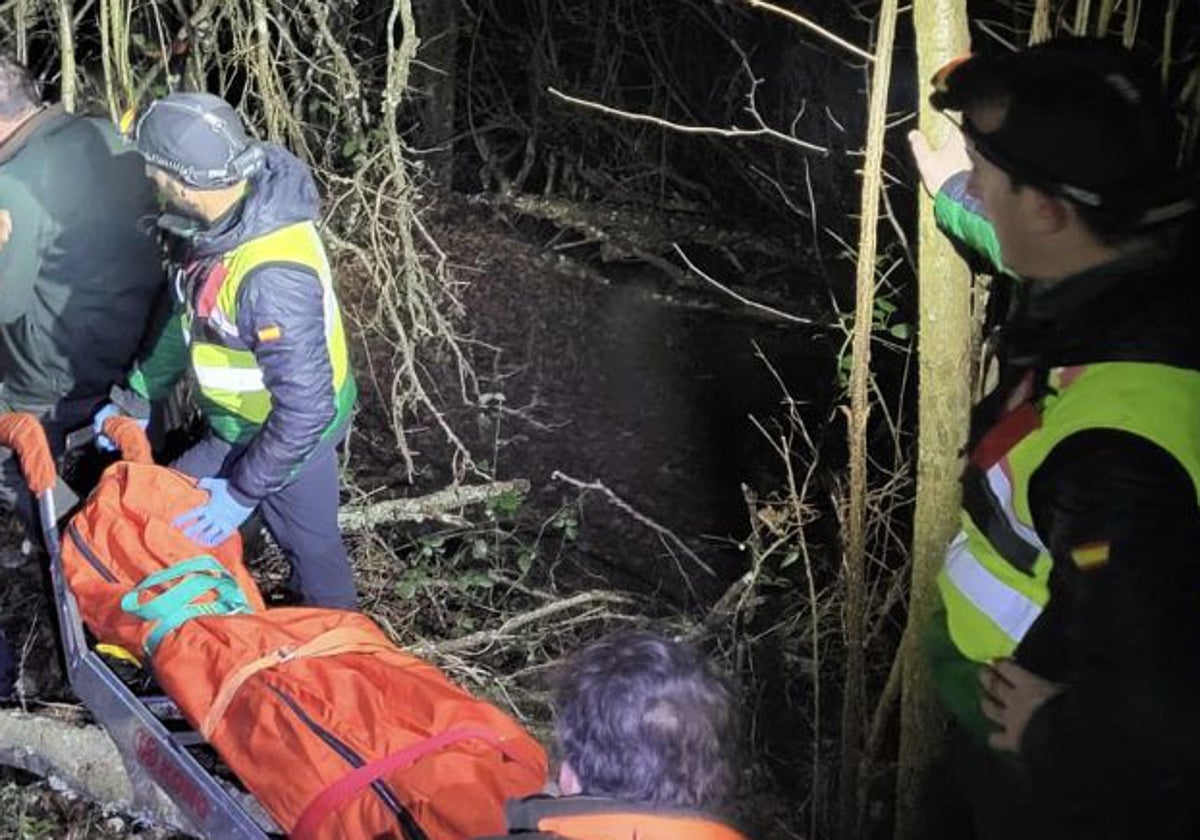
611, 381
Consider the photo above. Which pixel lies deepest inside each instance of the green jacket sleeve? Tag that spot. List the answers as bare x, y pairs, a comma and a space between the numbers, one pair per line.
154, 376
960, 217
955, 677
21, 256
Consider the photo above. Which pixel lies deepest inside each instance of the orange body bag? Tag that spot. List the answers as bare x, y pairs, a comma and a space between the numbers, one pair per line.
335, 731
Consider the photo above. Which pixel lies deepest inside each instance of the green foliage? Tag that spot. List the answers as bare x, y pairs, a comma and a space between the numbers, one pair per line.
29, 811
15, 819
506, 505
884, 323
357, 150
567, 521
467, 564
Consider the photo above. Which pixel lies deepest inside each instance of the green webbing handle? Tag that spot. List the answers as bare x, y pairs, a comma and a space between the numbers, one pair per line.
176, 606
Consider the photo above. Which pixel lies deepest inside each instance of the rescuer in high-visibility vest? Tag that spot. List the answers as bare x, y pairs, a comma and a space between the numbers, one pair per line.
258, 326
649, 740
1068, 639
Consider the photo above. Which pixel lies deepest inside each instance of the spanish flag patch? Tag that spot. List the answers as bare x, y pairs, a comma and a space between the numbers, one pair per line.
272, 333
1092, 555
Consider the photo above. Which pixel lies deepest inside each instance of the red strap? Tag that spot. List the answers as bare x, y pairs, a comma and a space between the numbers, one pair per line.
210, 288
354, 782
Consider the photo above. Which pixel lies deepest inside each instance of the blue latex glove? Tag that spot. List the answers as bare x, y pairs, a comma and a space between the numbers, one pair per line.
212, 522
109, 409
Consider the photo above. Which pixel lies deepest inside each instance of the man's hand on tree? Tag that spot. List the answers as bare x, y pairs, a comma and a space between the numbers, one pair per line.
938, 165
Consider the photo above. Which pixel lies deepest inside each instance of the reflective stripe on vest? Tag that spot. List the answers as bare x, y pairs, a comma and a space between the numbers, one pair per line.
1000, 484
1007, 608
237, 380
995, 579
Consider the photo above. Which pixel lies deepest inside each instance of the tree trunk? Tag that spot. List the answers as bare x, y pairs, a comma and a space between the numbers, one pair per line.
945, 340
434, 78
854, 611
1039, 29
66, 49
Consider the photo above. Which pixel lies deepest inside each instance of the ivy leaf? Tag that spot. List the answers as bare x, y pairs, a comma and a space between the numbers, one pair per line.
525, 561
506, 505
475, 580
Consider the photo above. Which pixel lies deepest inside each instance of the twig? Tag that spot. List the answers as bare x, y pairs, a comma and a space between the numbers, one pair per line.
883, 710
618, 502
787, 316
486, 638
808, 24
724, 608
704, 130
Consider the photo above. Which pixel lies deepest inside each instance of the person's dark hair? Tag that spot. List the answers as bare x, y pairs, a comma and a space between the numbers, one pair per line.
1109, 225
645, 719
18, 93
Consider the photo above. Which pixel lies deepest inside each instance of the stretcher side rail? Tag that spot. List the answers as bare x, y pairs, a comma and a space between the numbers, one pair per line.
152, 754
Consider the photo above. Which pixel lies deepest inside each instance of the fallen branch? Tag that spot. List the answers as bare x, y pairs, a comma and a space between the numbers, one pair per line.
724, 610
742, 299
484, 638
705, 130
639, 231
435, 506
82, 759
620, 503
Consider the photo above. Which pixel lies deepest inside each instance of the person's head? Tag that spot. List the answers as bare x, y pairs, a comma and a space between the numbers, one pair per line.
644, 719
1074, 151
196, 150
18, 93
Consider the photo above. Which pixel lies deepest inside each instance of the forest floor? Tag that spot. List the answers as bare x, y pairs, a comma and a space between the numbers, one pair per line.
498, 593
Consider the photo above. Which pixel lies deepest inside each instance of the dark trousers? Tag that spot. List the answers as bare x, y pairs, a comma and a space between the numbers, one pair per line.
982, 794
302, 518
985, 795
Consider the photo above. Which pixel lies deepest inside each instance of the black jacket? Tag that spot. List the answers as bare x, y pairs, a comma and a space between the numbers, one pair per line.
80, 274
1119, 748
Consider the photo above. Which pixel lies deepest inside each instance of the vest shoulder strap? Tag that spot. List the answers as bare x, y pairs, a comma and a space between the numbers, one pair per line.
1157, 402
298, 244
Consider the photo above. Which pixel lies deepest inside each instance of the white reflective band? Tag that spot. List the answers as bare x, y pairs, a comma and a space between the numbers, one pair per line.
1008, 609
329, 305
1002, 489
222, 321
241, 380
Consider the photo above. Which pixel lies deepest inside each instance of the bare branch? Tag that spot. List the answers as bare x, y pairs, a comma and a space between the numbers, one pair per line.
486, 638
777, 313
704, 130
617, 501
809, 25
